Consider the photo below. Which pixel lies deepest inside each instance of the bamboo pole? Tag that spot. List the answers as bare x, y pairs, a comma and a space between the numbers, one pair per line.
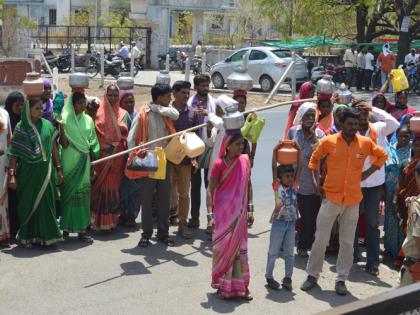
195, 128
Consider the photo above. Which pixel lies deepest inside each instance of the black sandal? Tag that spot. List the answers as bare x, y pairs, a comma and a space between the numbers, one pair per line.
167, 241
84, 237
144, 242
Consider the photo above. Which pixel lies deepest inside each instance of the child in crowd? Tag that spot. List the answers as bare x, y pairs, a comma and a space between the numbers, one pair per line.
283, 219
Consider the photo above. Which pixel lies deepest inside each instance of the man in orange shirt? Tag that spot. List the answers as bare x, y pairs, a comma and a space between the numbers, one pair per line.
345, 154
387, 61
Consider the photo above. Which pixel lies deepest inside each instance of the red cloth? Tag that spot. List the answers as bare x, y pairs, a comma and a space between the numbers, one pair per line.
109, 123
324, 97
239, 92
304, 92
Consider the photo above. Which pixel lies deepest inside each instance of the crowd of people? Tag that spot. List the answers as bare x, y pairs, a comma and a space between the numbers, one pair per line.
353, 159
360, 65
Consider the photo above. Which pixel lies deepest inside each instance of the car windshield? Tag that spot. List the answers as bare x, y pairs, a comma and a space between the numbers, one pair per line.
282, 53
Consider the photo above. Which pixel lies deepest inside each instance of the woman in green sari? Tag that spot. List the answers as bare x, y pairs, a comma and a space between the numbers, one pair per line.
79, 143
31, 153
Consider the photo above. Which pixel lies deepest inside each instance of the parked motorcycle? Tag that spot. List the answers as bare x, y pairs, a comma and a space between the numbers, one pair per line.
112, 67
197, 66
177, 60
413, 77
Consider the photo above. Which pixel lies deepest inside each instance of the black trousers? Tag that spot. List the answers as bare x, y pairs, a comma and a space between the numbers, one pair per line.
196, 191
163, 192
360, 78
368, 79
308, 206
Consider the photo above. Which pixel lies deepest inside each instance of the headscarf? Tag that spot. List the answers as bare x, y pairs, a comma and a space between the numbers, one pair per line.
26, 140
124, 94
230, 137
77, 127
338, 107
387, 103
403, 121
239, 93
108, 119
304, 92
58, 103
12, 98
302, 111
48, 105
386, 49
224, 101
324, 97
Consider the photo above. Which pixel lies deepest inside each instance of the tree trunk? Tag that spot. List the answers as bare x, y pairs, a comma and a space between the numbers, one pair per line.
403, 47
361, 21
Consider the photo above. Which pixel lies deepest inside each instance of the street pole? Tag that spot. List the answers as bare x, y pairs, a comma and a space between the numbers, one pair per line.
72, 58
102, 67
132, 63
187, 69
293, 75
96, 23
203, 63
167, 62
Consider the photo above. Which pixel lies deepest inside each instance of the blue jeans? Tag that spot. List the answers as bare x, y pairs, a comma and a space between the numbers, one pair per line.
384, 76
370, 203
282, 236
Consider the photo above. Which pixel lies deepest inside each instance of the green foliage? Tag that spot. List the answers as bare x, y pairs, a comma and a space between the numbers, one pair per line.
184, 29
120, 22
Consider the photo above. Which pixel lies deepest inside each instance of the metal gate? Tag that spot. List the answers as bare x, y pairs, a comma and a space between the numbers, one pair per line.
60, 37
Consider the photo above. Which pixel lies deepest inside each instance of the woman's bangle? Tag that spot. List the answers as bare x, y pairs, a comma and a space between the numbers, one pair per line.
250, 207
59, 167
12, 172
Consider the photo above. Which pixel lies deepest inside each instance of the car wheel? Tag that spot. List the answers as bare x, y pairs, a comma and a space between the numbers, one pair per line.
266, 83
218, 81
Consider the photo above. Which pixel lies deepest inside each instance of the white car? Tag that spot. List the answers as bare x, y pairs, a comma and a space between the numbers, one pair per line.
266, 66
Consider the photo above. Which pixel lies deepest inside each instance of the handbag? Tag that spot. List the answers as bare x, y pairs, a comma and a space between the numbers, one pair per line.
140, 163
251, 130
161, 163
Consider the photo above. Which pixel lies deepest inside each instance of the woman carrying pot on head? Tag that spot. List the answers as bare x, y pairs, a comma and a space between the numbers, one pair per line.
112, 124
13, 105
231, 210
33, 155
80, 145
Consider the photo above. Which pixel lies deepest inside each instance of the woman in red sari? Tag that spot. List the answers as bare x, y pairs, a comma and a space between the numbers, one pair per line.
228, 207
112, 124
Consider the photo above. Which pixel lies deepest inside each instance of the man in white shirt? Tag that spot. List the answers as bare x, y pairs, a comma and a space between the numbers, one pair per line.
350, 63
369, 60
123, 52
135, 52
361, 64
372, 186
412, 57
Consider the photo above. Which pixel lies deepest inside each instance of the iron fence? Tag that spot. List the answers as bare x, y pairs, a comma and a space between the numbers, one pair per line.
61, 36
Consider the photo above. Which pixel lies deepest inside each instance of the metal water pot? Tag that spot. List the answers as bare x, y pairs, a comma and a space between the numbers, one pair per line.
125, 81
163, 77
239, 80
33, 86
344, 95
233, 120
78, 80
325, 85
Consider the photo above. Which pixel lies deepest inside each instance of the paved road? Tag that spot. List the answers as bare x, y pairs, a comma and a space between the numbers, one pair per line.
113, 276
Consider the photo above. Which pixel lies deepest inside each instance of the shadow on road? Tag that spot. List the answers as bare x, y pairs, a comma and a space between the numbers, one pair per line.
331, 297
219, 305
279, 296
133, 268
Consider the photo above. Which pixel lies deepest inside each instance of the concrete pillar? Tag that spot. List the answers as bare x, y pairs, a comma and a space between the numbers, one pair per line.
197, 27
164, 30
104, 13
63, 12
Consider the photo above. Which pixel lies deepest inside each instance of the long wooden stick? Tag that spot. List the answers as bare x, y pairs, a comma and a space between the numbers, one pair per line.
194, 128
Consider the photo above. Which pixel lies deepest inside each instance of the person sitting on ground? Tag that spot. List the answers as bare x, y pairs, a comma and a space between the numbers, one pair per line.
283, 222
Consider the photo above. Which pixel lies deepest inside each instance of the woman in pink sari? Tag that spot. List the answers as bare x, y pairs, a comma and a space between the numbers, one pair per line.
227, 201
